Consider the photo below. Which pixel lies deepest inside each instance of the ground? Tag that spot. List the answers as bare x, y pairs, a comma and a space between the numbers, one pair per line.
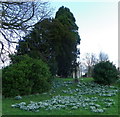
67, 98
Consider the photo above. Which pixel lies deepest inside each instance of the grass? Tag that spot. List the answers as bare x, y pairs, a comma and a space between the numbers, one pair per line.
7, 102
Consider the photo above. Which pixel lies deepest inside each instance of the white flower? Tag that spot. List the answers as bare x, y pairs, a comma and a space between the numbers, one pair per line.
13, 106
74, 107
18, 97
46, 104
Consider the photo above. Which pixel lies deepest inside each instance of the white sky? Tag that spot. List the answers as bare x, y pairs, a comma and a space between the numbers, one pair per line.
98, 25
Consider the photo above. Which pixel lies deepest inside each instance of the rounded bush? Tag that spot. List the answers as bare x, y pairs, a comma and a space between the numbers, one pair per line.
28, 76
105, 73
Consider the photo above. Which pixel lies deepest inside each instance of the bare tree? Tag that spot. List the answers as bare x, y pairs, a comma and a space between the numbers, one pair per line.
18, 18
89, 61
103, 56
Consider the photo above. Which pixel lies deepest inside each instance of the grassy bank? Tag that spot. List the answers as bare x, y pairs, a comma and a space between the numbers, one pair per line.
64, 87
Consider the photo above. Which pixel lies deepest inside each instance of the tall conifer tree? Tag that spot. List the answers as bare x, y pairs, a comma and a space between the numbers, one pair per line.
67, 58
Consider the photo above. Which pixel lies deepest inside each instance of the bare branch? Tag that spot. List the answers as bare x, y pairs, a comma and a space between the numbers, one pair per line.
18, 18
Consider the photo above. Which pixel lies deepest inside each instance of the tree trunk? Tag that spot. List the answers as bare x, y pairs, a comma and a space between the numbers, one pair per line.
76, 79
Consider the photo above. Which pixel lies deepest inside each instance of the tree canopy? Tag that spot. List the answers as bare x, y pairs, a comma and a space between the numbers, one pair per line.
54, 41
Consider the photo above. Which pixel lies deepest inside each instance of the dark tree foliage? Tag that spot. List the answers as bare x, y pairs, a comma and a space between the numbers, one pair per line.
66, 18
67, 58
105, 73
42, 42
53, 42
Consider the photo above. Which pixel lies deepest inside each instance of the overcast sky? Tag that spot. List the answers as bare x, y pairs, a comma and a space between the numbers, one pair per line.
98, 25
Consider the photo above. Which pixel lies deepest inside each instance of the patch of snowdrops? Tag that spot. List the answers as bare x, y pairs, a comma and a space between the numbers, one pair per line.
91, 89
76, 98
18, 97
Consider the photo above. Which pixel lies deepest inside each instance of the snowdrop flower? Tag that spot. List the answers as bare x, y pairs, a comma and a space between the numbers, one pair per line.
18, 97
92, 107
97, 105
74, 107
13, 106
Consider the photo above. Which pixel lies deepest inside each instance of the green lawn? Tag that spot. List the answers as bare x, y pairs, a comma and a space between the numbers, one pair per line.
57, 90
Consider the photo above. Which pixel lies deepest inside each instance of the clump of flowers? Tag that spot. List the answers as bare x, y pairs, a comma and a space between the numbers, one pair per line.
18, 97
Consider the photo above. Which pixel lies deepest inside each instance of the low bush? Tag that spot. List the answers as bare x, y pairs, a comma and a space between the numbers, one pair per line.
105, 73
28, 76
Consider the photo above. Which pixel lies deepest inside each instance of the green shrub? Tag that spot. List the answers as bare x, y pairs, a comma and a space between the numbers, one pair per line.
105, 73
28, 76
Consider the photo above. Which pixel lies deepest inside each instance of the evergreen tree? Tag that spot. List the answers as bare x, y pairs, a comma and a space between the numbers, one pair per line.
67, 58
39, 43
54, 41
